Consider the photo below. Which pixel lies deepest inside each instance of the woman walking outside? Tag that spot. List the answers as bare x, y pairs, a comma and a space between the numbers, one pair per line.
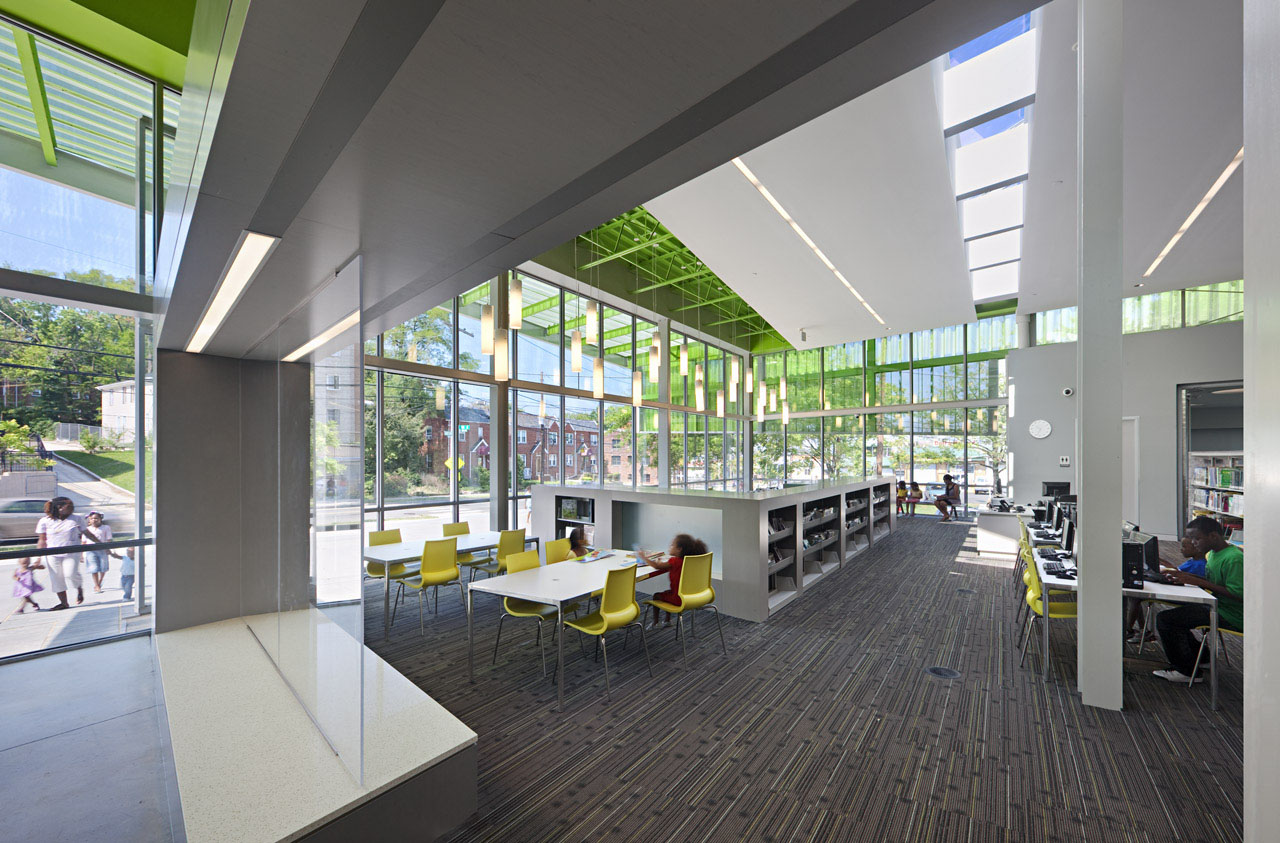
61, 527
97, 562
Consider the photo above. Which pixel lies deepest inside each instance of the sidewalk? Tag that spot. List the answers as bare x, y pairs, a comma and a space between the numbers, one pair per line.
99, 616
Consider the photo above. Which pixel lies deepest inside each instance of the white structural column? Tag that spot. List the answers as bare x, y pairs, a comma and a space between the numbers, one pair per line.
1261, 411
500, 420
1098, 351
664, 395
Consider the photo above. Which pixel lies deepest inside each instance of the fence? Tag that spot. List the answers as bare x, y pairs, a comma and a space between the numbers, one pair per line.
71, 432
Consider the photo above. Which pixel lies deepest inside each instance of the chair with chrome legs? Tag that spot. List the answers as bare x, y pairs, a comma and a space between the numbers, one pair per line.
695, 593
517, 608
618, 610
1040, 603
465, 559
439, 567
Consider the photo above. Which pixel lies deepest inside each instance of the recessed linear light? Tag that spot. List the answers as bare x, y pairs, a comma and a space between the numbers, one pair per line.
795, 226
350, 320
1195, 213
251, 253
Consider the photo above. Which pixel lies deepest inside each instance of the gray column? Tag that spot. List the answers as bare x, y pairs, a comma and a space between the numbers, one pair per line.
1098, 352
664, 416
1024, 330
500, 422
1261, 409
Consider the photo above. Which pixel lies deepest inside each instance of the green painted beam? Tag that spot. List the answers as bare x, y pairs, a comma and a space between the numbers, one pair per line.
26, 44
734, 319
721, 299
475, 295
679, 278
637, 247
546, 304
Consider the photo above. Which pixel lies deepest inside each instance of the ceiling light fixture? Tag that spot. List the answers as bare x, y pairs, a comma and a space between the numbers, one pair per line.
1195, 213
795, 226
501, 360
251, 253
684, 358
349, 321
637, 389
515, 303
597, 378
575, 356
593, 325
486, 329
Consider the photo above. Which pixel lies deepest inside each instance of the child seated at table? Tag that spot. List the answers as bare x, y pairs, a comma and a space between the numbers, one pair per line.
681, 546
578, 543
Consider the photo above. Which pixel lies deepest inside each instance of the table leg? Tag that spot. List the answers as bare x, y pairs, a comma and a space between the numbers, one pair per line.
1213, 658
560, 654
386, 602
471, 662
1044, 604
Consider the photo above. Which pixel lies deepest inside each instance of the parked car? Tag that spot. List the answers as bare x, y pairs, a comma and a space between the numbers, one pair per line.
18, 517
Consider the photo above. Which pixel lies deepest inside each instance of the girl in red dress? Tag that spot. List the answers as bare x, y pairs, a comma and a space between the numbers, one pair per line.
681, 546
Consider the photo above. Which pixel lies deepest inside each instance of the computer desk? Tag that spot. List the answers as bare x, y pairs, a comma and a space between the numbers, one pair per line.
1150, 591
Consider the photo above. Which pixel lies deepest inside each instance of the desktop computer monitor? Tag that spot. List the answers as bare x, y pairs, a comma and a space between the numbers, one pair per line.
1059, 515
1054, 489
1127, 529
1069, 537
1150, 550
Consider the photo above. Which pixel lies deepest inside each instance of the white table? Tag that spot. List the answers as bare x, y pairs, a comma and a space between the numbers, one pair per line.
409, 554
1150, 591
554, 585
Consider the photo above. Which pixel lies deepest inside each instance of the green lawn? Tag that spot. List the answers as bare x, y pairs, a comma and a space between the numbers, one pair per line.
114, 466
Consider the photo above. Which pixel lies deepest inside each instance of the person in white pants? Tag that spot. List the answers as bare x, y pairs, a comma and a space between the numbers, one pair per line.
61, 527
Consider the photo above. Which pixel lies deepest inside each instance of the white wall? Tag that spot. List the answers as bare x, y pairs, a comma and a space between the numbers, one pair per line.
1155, 364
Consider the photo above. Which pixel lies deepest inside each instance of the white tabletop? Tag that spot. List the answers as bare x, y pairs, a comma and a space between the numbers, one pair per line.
411, 551
1149, 590
562, 581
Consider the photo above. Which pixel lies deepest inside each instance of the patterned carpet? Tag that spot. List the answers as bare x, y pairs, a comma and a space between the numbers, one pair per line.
822, 725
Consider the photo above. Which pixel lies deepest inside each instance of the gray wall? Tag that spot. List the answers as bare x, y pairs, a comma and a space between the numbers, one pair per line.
1155, 364
219, 500
1215, 428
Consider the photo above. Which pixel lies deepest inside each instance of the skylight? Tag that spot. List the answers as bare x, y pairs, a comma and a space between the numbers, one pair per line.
988, 96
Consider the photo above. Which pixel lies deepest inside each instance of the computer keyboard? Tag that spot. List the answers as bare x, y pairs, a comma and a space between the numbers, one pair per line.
1056, 569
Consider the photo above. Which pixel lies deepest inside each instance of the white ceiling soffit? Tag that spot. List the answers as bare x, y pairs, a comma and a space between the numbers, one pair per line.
869, 184
465, 144
1183, 123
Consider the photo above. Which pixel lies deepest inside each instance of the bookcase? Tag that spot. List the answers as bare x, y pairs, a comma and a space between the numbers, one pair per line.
1215, 487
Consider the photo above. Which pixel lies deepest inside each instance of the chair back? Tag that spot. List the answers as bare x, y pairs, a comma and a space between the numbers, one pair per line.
462, 528
378, 537
440, 556
558, 550
509, 542
522, 561
695, 581
1022, 532
618, 602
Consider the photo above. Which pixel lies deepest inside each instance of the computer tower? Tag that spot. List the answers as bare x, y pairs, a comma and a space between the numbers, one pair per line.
1131, 564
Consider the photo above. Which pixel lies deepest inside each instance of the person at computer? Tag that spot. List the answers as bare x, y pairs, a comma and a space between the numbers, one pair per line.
1135, 621
949, 499
1223, 577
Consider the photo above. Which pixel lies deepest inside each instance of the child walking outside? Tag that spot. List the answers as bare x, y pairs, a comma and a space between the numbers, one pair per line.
25, 585
126, 575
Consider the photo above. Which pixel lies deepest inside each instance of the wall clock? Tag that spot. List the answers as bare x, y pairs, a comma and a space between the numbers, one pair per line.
1040, 429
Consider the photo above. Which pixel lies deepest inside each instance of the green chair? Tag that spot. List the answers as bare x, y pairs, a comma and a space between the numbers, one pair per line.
618, 610
439, 567
517, 608
695, 593
377, 570
509, 542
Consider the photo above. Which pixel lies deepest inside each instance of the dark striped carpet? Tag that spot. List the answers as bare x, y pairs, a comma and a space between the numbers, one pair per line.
822, 724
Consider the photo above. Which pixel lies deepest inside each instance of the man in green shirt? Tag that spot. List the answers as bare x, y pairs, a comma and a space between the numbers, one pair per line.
1224, 577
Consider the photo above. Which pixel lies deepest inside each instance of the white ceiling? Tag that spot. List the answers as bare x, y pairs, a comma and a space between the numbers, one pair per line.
869, 183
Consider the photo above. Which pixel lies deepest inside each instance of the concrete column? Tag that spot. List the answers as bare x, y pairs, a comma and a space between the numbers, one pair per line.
1098, 353
500, 421
1024, 330
1261, 409
664, 416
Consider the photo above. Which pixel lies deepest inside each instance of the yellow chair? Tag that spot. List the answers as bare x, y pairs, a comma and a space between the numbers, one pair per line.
377, 570
558, 550
518, 608
465, 559
1221, 649
618, 610
509, 542
695, 593
1036, 602
439, 567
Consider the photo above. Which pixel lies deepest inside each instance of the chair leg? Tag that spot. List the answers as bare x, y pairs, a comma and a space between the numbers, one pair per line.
719, 629
1026, 638
646, 647
501, 618
462, 593
1222, 649
1146, 620
436, 592
605, 649
421, 630
396, 603
1199, 655
542, 648
680, 632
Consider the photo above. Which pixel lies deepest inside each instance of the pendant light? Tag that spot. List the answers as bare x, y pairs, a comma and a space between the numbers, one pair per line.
760, 412
597, 378
700, 398
782, 388
684, 358
637, 389
838, 420
439, 397
501, 362
575, 358
733, 372
515, 302
719, 403
486, 329
542, 407
655, 358
593, 323
750, 384
773, 400
786, 415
